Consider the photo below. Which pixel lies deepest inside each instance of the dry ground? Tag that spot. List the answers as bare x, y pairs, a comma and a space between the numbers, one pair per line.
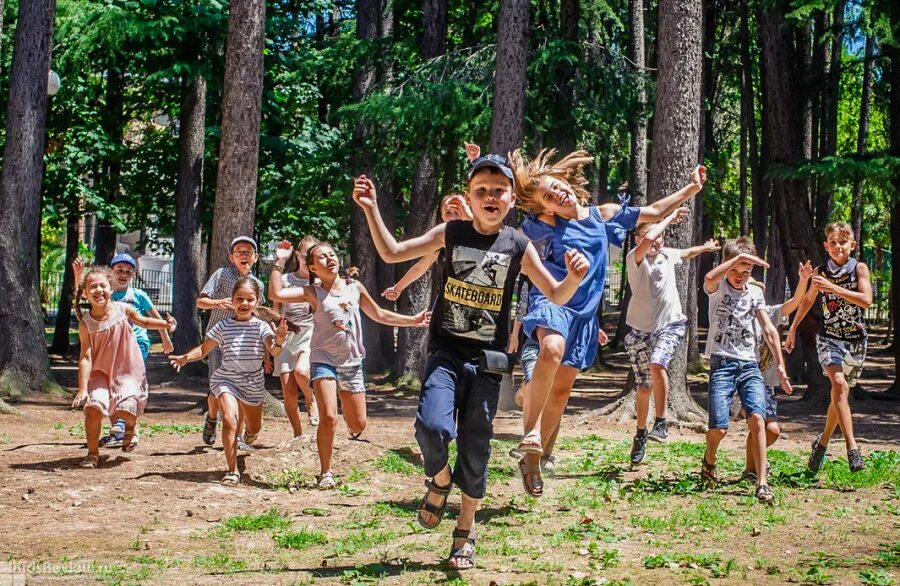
159, 516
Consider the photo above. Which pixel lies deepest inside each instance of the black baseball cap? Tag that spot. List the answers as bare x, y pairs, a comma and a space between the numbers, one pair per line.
498, 162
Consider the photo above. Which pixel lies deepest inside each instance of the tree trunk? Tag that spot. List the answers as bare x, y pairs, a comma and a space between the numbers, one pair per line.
862, 138
830, 101
676, 136
894, 54
23, 356
113, 123
783, 139
235, 207
637, 180
410, 358
510, 77
64, 307
189, 266
563, 131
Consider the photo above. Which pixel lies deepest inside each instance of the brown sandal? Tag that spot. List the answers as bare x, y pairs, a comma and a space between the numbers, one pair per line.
433, 509
128, 444
90, 461
466, 553
536, 486
708, 474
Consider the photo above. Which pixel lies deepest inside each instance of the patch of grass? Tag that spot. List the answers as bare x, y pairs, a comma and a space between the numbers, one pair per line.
876, 577
356, 475
711, 561
889, 557
287, 478
300, 540
389, 509
219, 562
814, 575
603, 558
116, 574
179, 429
365, 574
361, 541
348, 490
586, 529
271, 519
882, 467
397, 462
161, 563
4, 439
709, 514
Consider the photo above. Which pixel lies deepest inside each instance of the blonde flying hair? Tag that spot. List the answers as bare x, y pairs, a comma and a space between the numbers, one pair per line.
529, 175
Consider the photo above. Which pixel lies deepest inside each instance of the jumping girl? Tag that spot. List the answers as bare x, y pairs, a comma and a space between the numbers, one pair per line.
567, 335
238, 385
336, 358
292, 365
112, 380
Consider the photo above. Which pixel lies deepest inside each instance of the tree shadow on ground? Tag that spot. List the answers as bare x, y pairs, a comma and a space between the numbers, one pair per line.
608, 473
54, 444
196, 450
69, 463
359, 573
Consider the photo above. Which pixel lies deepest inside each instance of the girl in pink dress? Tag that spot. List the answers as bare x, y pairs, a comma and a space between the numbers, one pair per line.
111, 375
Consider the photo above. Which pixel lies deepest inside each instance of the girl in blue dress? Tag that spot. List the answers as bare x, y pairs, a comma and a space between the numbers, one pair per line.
567, 336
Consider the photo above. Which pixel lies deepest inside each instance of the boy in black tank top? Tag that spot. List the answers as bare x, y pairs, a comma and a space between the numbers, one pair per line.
843, 289
458, 400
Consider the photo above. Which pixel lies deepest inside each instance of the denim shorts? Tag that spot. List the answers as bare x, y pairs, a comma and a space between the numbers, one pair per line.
349, 378
728, 376
529, 355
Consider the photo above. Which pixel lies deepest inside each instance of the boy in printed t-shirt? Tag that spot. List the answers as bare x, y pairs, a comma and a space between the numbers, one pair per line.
845, 290
458, 399
657, 322
734, 360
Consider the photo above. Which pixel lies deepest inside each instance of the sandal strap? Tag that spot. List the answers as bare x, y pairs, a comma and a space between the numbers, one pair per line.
437, 489
531, 468
467, 534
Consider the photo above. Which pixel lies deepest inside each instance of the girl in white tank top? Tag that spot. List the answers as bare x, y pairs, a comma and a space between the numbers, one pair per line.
337, 349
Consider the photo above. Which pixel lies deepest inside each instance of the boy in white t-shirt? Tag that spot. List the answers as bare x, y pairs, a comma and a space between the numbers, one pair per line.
734, 360
657, 322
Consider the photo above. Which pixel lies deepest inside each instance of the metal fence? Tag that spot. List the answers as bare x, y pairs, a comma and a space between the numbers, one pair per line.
157, 285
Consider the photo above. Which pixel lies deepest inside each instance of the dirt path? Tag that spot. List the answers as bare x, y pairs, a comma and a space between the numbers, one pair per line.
158, 515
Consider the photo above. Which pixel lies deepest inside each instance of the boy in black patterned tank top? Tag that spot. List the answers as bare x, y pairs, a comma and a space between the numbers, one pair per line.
844, 290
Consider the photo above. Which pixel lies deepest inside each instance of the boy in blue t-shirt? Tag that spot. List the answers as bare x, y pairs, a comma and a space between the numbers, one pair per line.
123, 267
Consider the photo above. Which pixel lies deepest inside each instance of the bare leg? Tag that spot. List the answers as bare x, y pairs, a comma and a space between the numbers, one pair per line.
659, 378
213, 407
326, 396
552, 348
713, 438
301, 374
642, 406
353, 406
290, 392
839, 410
773, 432
93, 422
230, 407
757, 440
556, 406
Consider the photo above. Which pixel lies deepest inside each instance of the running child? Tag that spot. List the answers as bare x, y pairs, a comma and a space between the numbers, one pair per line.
778, 314
734, 358
336, 358
844, 288
112, 381
453, 207
459, 398
238, 384
658, 325
568, 334
216, 296
292, 365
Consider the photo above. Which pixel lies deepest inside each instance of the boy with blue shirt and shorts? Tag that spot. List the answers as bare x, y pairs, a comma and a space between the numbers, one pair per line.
734, 359
123, 269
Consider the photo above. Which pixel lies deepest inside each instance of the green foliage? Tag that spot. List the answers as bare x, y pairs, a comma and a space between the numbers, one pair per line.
271, 519
302, 539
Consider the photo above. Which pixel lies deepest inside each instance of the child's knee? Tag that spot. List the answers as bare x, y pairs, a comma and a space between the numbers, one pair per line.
357, 424
92, 414
657, 370
552, 349
717, 433
773, 430
839, 383
756, 422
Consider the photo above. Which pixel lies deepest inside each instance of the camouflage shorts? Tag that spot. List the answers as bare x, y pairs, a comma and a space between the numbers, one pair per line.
646, 348
850, 356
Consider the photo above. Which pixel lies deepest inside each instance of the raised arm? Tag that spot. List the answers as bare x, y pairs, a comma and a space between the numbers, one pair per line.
714, 277
164, 334
660, 209
388, 248
708, 246
167, 325
655, 231
862, 298
555, 291
389, 318
808, 300
804, 272
277, 292
274, 345
770, 333
412, 275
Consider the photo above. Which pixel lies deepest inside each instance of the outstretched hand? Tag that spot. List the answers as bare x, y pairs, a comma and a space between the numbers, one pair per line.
754, 260
698, 177
712, 246
577, 263
178, 361
171, 323
785, 381
681, 214
77, 270
364, 192
281, 331
80, 399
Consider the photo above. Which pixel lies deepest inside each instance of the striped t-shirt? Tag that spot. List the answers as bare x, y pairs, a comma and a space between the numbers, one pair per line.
243, 348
